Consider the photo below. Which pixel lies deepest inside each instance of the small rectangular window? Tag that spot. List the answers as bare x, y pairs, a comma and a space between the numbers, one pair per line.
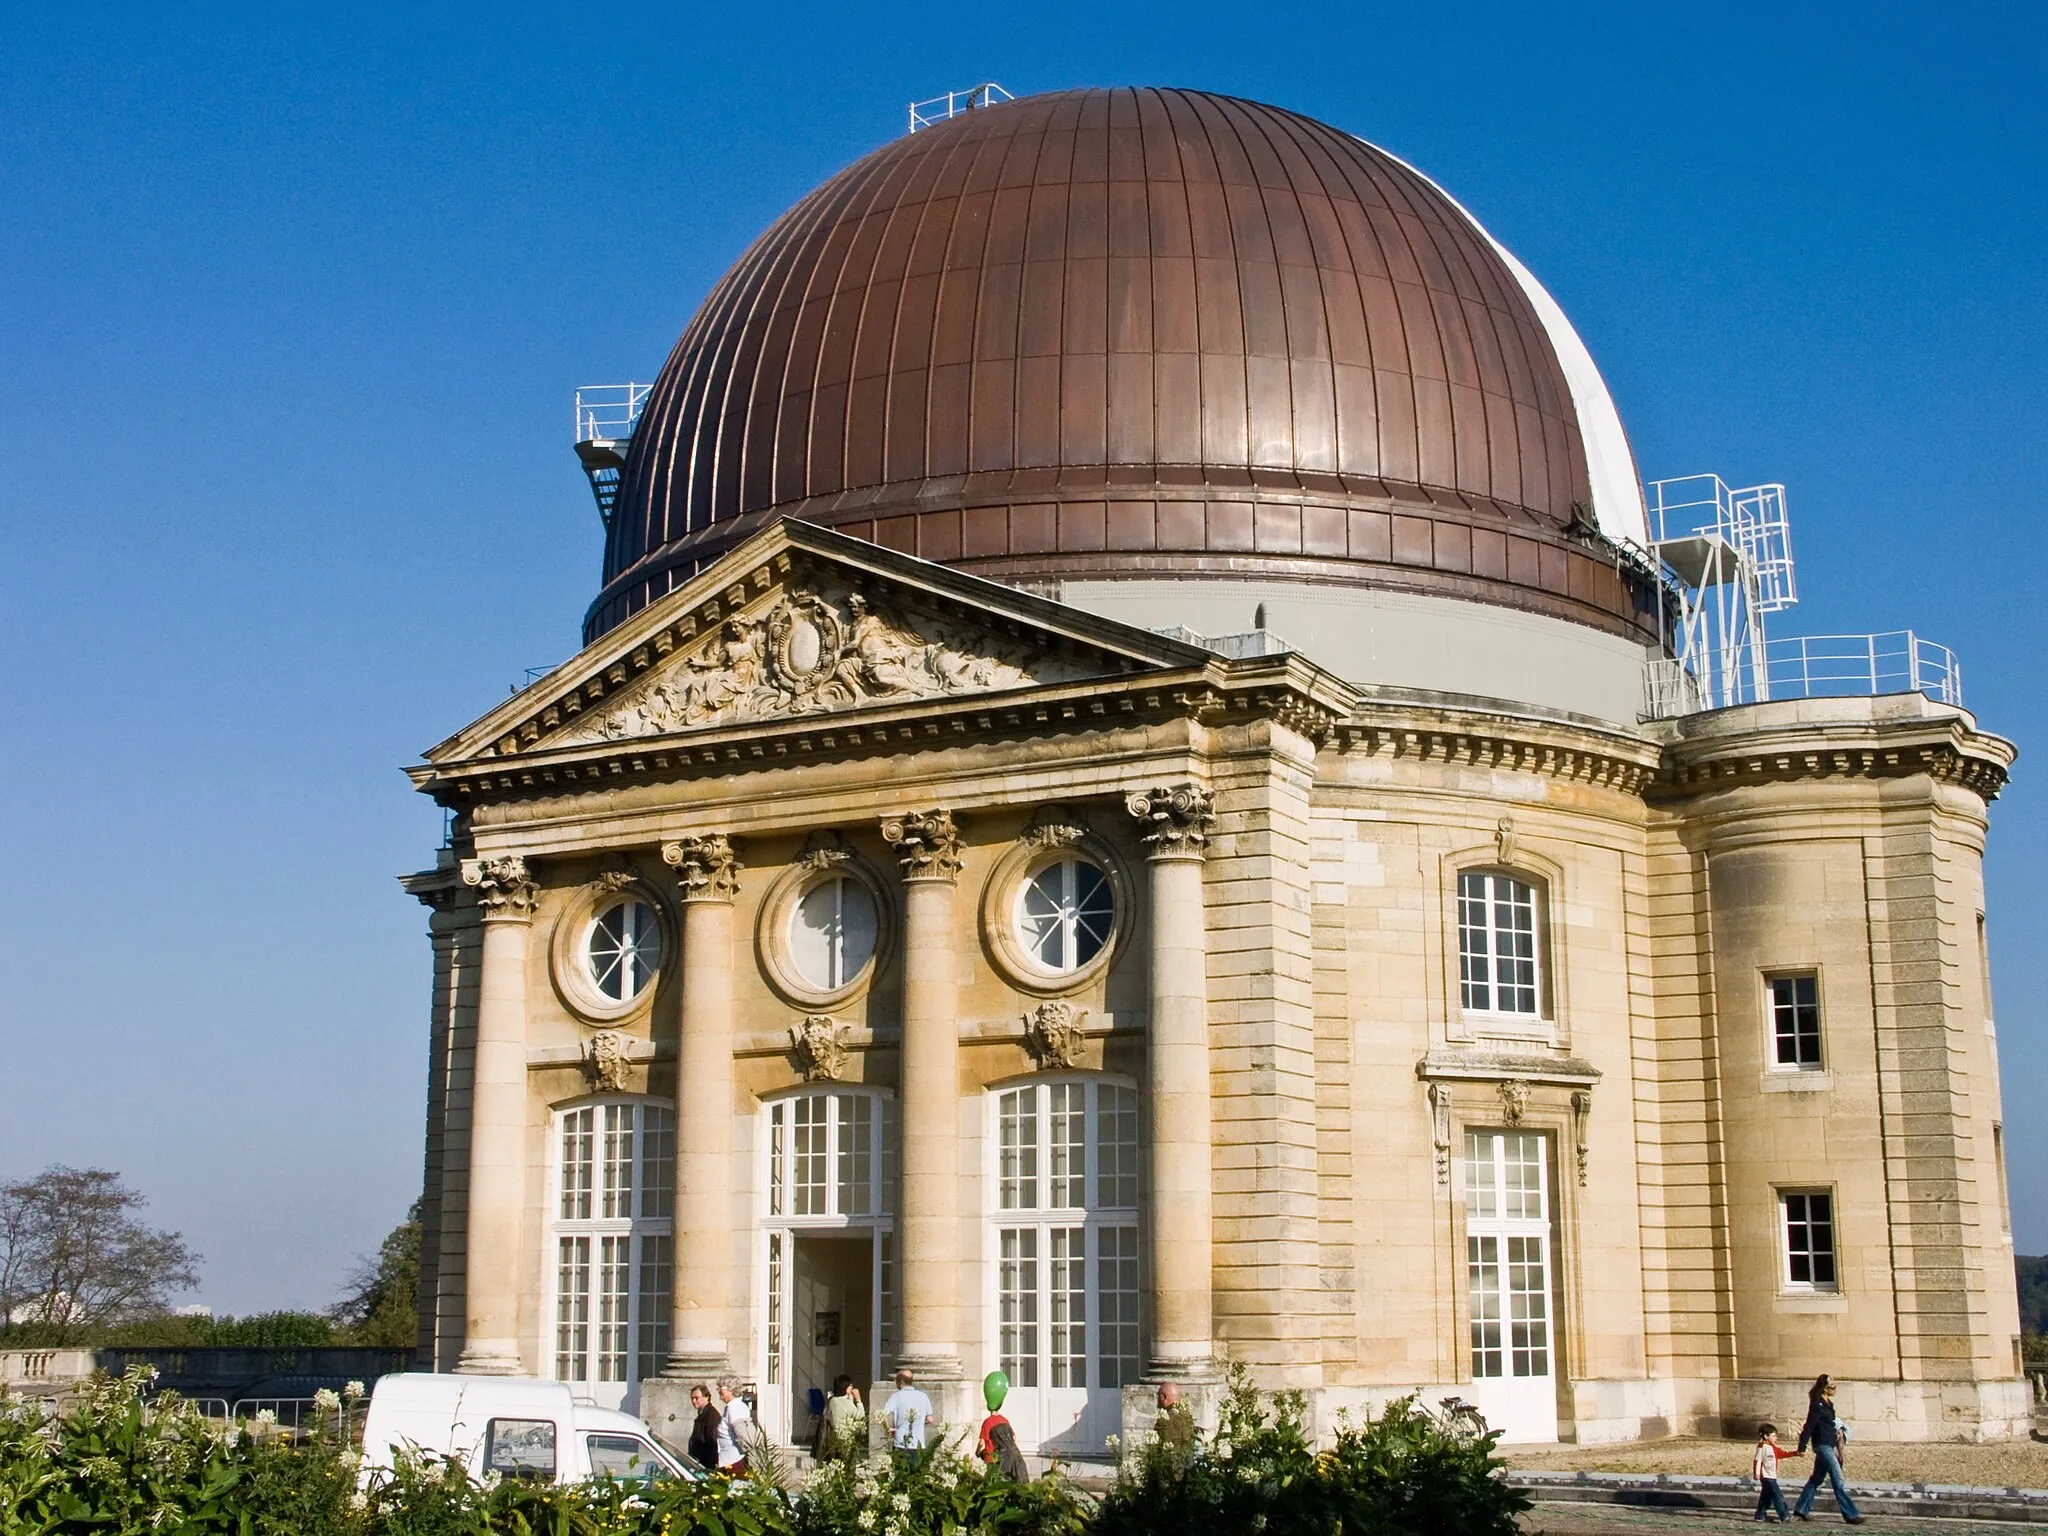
1809, 1224
1998, 1172
1795, 1022
521, 1448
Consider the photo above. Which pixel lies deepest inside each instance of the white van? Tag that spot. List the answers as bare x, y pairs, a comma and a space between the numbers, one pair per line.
515, 1426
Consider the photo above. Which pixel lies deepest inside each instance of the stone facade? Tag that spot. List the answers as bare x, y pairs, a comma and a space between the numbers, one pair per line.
1278, 991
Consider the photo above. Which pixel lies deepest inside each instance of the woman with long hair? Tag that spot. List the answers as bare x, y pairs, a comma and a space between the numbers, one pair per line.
1823, 1431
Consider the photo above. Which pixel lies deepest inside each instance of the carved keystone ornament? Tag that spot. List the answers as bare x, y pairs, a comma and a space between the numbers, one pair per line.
604, 1061
1175, 821
819, 1046
1514, 1100
706, 867
1052, 1034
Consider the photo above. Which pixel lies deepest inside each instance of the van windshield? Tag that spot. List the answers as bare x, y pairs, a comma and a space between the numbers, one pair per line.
627, 1458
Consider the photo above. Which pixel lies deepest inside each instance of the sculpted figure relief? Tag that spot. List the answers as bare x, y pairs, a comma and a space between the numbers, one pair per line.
805, 655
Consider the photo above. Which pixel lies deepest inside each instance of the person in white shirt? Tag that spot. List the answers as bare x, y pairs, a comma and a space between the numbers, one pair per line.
735, 1426
1763, 1466
907, 1413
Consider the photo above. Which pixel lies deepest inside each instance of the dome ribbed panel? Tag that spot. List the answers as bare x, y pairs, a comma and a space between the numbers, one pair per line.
1115, 322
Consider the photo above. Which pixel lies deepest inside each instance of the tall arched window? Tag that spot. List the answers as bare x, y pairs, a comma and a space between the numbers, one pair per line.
1064, 1230
1500, 944
613, 1208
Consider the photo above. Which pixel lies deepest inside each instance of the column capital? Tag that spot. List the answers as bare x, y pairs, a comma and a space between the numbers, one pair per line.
706, 867
505, 887
1174, 821
927, 844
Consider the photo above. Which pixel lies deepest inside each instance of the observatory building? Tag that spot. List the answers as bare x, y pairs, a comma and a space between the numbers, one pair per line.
1146, 787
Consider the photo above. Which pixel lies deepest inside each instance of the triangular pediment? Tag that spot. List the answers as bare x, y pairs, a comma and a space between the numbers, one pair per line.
800, 622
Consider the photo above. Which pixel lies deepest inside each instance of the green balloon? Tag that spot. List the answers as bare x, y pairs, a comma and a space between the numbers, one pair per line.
995, 1386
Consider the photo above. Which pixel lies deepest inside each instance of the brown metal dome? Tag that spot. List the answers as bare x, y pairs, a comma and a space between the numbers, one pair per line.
1125, 333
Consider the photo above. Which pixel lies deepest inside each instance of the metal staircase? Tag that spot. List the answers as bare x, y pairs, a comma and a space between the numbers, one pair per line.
605, 417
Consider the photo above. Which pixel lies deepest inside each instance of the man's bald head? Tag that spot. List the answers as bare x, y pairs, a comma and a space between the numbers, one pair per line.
1169, 1394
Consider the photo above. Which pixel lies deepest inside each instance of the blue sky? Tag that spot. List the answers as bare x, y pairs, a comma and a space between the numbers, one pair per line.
292, 302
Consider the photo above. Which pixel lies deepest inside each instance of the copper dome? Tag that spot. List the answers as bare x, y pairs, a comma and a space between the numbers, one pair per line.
1126, 333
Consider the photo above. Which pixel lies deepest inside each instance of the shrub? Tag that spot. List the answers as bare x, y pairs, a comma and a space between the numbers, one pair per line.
126, 1465
943, 1493
1400, 1474
116, 1464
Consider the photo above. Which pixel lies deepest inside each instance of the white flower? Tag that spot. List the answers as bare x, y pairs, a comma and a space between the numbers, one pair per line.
900, 1503
352, 1390
266, 1416
867, 1520
327, 1399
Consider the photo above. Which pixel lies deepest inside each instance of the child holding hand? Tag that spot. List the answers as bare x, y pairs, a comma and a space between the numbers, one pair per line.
1763, 1467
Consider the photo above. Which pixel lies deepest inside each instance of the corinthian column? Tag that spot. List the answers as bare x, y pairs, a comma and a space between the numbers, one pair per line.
1176, 823
497, 1121
707, 879
927, 845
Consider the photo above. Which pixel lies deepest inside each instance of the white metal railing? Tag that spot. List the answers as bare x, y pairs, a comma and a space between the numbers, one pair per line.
1811, 667
608, 412
1897, 661
925, 113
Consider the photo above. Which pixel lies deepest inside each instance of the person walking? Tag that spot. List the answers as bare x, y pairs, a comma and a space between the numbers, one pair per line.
908, 1413
735, 1427
1824, 1433
1763, 1466
704, 1429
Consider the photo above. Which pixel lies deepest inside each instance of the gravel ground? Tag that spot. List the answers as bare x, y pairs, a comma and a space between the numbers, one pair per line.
1611, 1520
2011, 1465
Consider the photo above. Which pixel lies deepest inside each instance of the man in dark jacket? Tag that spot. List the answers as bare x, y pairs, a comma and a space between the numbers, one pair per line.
704, 1432
1824, 1433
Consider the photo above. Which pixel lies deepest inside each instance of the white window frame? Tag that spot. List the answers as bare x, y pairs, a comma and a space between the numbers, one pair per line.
1023, 1190
629, 957
1787, 1254
1067, 922
1538, 985
1773, 1020
844, 975
642, 1224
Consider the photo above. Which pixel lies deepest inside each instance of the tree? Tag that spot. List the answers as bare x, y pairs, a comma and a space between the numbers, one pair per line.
382, 1304
73, 1257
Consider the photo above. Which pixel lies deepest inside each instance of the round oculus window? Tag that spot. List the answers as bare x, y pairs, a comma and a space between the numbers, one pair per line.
833, 929
1065, 912
624, 949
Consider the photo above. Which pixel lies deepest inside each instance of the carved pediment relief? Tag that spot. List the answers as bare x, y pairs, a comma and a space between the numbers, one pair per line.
806, 652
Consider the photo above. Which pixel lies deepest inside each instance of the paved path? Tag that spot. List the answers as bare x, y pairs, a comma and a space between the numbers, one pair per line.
1624, 1520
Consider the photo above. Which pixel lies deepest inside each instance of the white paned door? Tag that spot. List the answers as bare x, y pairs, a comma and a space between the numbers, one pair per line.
1064, 1241
1508, 1278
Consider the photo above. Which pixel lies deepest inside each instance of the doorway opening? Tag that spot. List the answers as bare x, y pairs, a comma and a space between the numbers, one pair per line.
1509, 1275
827, 1279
